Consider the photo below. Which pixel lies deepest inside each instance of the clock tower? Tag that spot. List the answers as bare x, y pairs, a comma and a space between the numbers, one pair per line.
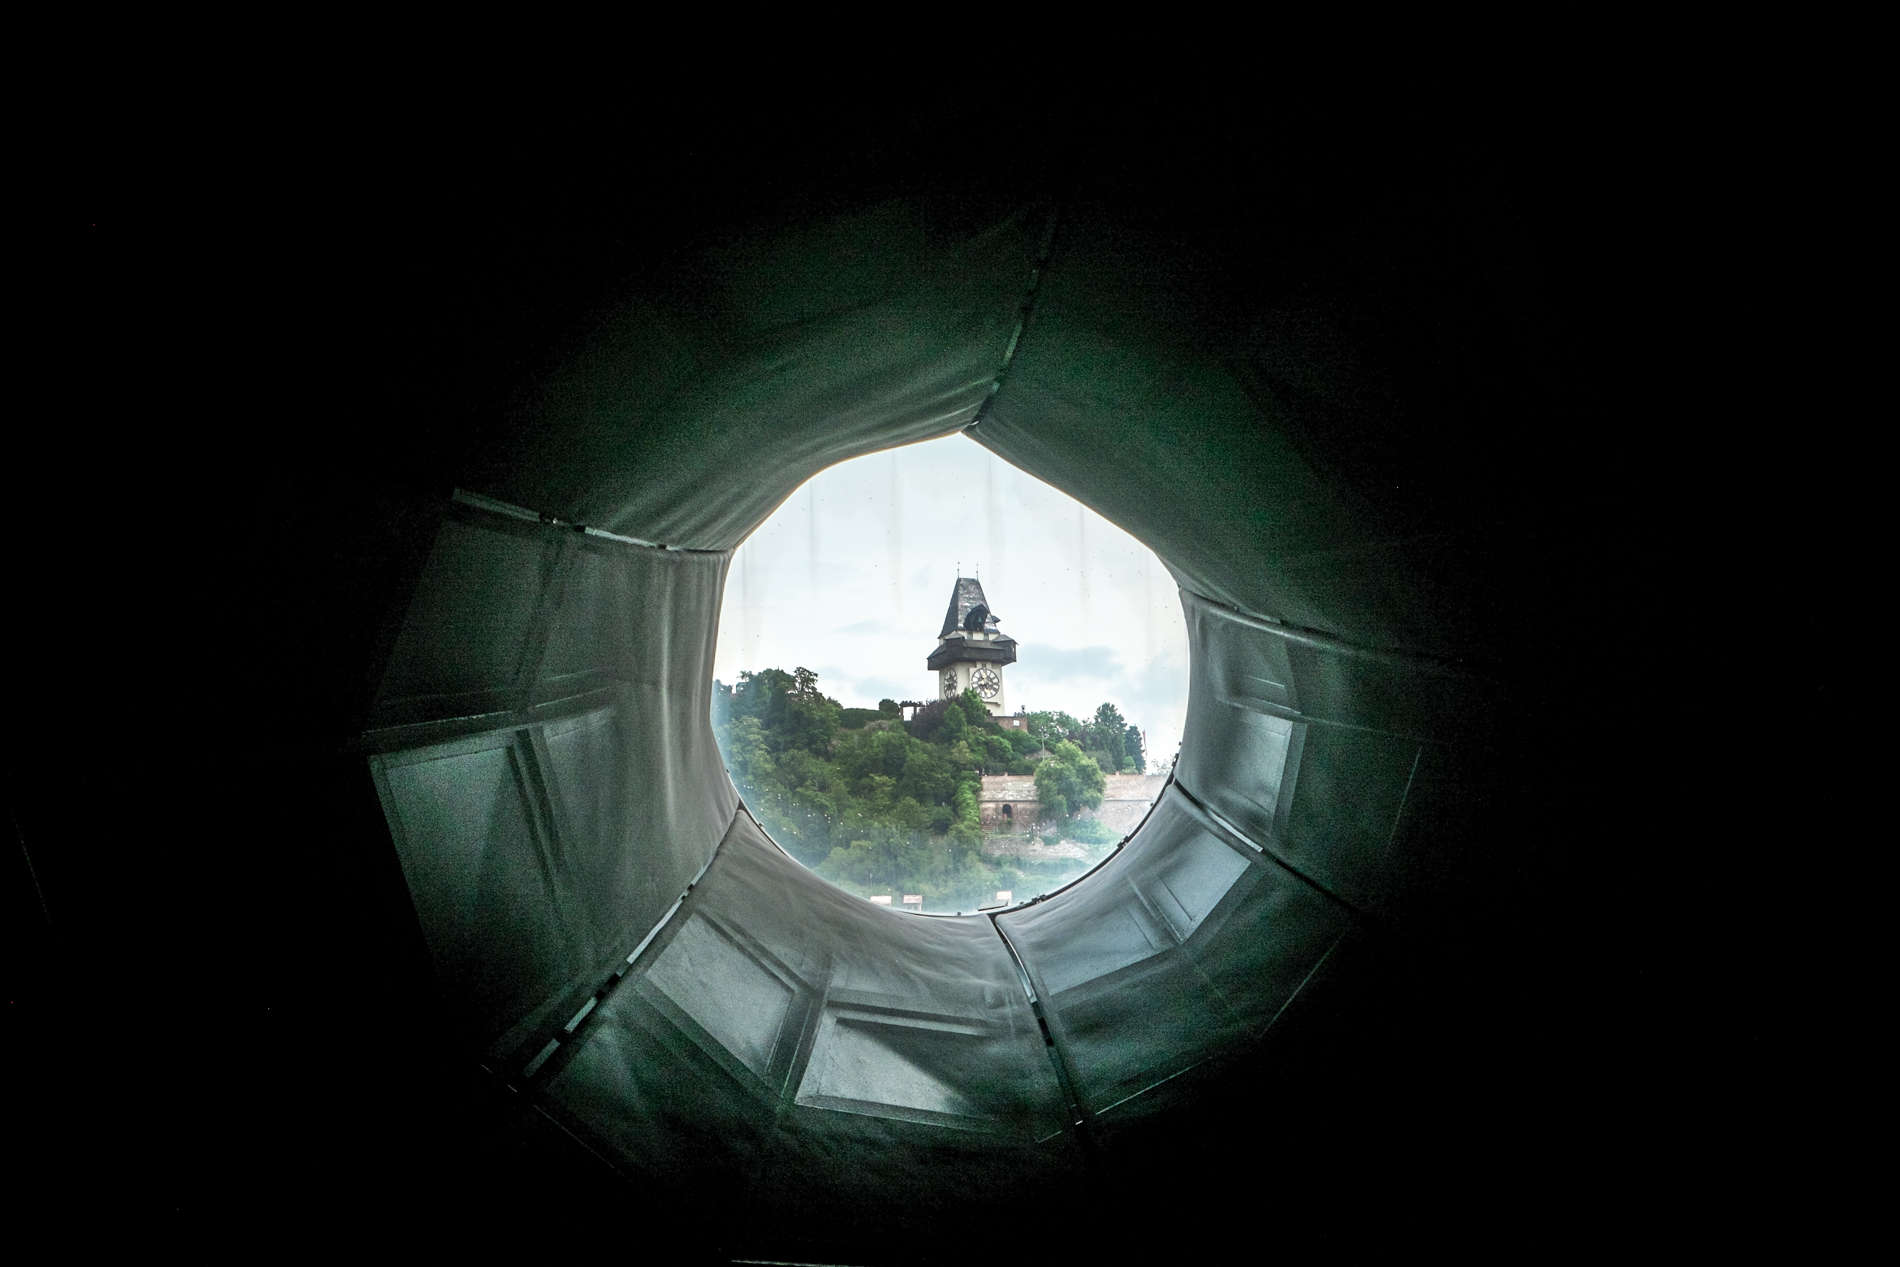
971, 650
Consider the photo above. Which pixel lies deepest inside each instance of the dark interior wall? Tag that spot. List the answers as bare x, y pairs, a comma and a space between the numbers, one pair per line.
1357, 371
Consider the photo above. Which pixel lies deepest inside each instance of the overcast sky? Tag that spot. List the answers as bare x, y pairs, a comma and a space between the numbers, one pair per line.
850, 578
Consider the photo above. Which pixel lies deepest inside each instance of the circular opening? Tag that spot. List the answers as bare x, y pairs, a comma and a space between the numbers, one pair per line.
944, 685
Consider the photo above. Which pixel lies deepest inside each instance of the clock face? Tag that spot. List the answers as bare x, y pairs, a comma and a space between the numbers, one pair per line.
949, 683
987, 682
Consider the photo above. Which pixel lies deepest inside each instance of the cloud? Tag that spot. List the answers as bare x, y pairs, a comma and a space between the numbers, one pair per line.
870, 690
1060, 664
855, 690
875, 545
1156, 700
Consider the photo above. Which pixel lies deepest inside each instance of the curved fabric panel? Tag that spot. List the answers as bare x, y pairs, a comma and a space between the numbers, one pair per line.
548, 769
1365, 772
487, 583
1183, 947
777, 1027
474, 846
759, 365
812, 999
1144, 368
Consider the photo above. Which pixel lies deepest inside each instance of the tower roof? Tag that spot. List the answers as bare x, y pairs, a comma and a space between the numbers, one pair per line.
967, 595
957, 651
966, 634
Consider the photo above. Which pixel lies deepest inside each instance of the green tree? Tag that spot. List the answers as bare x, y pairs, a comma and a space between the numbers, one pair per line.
791, 710
1047, 727
998, 756
882, 808
1068, 780
1106, 731
956, 723
928, 720
928, 777
747, 757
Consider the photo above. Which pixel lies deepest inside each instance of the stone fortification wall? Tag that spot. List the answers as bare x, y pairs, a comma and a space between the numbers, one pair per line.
1125, 799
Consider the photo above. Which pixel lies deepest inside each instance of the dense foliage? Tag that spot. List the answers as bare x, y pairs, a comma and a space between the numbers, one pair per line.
879, 805
1069, 780
1106, 738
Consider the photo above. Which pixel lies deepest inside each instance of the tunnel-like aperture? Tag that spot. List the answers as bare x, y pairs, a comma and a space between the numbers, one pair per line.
628, 949
1315, 399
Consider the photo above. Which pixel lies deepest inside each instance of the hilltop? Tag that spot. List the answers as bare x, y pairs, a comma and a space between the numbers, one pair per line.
881, 804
